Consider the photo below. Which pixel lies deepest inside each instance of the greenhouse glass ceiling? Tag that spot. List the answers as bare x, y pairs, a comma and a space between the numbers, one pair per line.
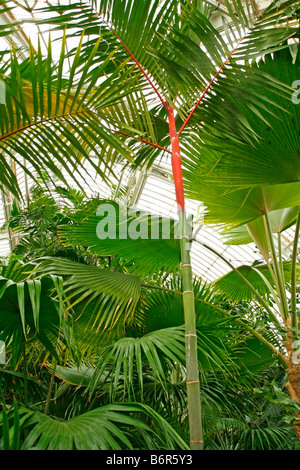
151, 190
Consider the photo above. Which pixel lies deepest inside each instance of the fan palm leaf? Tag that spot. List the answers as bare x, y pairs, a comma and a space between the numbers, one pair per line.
114, 295
232, 173
258, 275
113, 427
128, 356
280, 220
162, 39
145, 243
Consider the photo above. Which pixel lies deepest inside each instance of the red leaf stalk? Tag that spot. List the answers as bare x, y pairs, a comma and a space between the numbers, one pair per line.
176, 161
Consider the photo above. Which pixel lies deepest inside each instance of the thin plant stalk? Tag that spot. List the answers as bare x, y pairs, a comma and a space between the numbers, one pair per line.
260, 299
280, 256
2, 395
49, 393
293, 276
279, 281
25, 371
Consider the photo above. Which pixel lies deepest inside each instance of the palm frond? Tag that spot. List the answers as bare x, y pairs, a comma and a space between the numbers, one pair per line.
128, 356
233, 287
144, 242
227, 156
113, 427
28, 309
280, 220
111, 295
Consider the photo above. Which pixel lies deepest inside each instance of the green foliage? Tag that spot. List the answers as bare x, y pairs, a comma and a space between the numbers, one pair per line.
233, 191
114, 427
29, 311
106, 318
35, 226
118, 343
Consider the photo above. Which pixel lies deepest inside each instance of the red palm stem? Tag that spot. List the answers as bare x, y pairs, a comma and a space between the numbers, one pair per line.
176, 161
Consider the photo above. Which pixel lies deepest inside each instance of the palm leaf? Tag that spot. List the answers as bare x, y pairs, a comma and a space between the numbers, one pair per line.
145, 243
253, 357
68, 118
58, 116
232, 207
232, 168
27, 308
111, 295
12, 421
233, 287
280, 220
128, 356
163, 39
113, 427
75, 376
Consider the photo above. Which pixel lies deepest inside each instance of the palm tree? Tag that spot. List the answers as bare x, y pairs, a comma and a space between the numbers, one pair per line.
145, 66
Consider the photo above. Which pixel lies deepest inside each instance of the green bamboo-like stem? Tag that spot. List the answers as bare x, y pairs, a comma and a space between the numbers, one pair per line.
192, 371
279, 279
293, 276
280, 257
271, 270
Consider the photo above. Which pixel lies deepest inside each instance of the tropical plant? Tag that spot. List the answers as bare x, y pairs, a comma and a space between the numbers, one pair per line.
36, 331
144, 65
119, 343
114, 427
34, 227
272, 285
